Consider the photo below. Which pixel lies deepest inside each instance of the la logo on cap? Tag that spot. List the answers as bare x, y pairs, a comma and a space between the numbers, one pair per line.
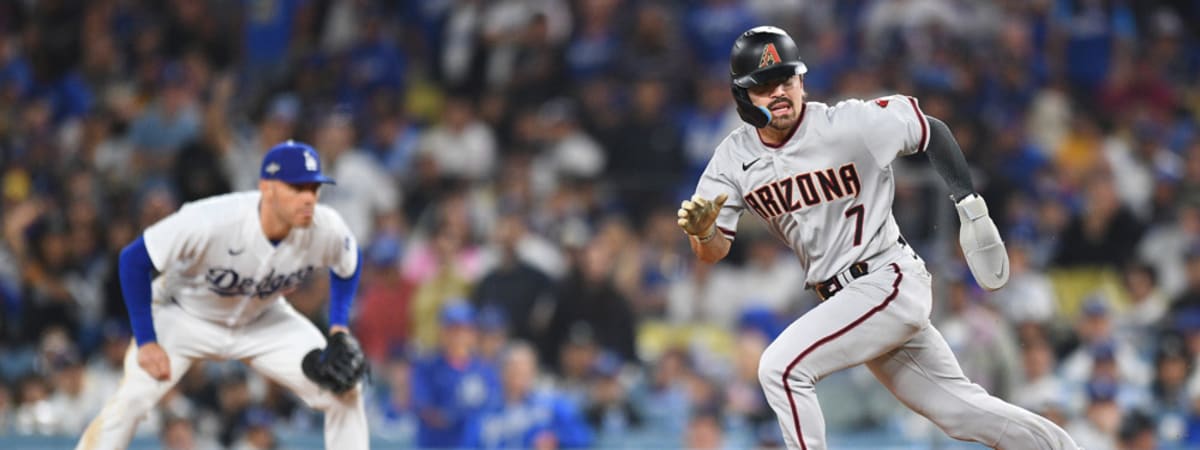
310, 163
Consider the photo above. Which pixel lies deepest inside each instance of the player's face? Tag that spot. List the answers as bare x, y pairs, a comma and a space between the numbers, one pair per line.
781, 97
295, 203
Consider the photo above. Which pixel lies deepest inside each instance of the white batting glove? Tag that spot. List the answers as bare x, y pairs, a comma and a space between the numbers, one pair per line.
698, 216
981, 243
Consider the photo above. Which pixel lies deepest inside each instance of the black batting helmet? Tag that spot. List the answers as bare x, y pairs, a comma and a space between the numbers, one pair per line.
760, 55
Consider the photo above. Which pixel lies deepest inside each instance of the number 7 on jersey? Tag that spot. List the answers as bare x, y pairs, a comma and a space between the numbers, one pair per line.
857, 212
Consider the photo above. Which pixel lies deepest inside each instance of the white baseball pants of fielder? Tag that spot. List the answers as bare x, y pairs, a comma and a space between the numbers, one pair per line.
273, 344
882, 319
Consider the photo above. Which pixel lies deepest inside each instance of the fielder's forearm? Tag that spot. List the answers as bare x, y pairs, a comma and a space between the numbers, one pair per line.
947, 159
341, 295
712, 249
135, 272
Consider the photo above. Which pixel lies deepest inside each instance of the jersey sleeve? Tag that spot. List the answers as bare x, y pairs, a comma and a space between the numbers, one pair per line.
341, 248
895, 126
178, 239
715, 182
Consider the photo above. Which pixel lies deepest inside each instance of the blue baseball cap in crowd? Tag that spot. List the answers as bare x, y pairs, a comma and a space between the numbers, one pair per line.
1095, 306
257, 417
1101, 390
458, 313
1104, 351
607, 364
293, 163
491, 318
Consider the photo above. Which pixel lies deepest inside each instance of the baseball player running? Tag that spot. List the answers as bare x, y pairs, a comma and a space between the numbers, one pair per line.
225, 264
820, 177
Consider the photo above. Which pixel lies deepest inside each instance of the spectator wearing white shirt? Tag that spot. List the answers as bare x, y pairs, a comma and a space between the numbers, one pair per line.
1165, 246
1029, 295
702, 296
1096, 428
1147, 307
1039, 388
75, 400
1095, 330
364, 191
461, 145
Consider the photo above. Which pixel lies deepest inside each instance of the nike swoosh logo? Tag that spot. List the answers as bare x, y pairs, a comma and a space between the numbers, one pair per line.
746, 166
233, 252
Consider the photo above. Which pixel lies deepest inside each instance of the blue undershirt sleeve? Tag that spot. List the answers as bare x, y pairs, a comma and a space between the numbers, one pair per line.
341, 294
136, 273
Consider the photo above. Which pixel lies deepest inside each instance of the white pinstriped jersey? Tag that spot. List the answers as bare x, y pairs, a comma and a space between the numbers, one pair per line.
827, 190
218, 265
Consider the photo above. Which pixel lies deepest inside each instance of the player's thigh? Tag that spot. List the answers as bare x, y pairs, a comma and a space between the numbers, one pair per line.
138, 391
181, 334
925, 375
275, 344
868, 318
183, 338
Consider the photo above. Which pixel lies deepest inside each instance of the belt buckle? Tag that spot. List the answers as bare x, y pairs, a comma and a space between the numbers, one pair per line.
828, 288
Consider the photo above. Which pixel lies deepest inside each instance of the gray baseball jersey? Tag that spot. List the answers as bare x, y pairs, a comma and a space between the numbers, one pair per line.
827, 190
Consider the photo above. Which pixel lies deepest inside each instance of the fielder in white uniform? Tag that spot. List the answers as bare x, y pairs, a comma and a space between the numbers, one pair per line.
225, 264
821, 178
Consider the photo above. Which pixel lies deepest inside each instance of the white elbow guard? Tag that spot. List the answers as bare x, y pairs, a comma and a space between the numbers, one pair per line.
981, 243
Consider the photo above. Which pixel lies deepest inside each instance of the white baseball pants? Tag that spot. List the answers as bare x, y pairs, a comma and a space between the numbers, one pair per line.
272, 344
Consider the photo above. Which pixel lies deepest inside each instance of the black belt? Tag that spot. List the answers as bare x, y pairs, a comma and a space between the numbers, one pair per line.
827, 288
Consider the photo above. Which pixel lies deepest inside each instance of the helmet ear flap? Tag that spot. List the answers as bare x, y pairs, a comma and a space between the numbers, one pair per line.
751, 114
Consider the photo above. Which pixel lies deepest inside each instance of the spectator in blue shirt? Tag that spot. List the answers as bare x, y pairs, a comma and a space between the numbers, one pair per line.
528, 417
451, 387
391, 411
712, 25
1092, 32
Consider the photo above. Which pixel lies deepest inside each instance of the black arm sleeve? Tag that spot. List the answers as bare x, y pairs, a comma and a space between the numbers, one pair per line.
947, 159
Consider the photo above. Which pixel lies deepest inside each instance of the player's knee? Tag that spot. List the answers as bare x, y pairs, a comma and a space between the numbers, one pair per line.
327, 401
773, 364
127, 408
770, 373
958, 430
958, 423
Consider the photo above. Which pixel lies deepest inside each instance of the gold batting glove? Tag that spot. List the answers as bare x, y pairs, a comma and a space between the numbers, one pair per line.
698, 216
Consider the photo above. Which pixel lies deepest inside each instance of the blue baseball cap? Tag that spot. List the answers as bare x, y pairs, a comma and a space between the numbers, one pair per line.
491, 318
1095, 306
294, 163
458, 313
1104, 351
607, 364
1101, 390
256, 417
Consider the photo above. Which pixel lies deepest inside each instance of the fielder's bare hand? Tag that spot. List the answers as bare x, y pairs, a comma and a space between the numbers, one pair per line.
154, 361
698, 216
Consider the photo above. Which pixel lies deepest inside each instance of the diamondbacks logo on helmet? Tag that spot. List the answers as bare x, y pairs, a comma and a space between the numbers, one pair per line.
769, 56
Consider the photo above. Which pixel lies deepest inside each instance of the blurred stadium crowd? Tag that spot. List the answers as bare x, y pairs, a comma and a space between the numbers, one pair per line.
511, 170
